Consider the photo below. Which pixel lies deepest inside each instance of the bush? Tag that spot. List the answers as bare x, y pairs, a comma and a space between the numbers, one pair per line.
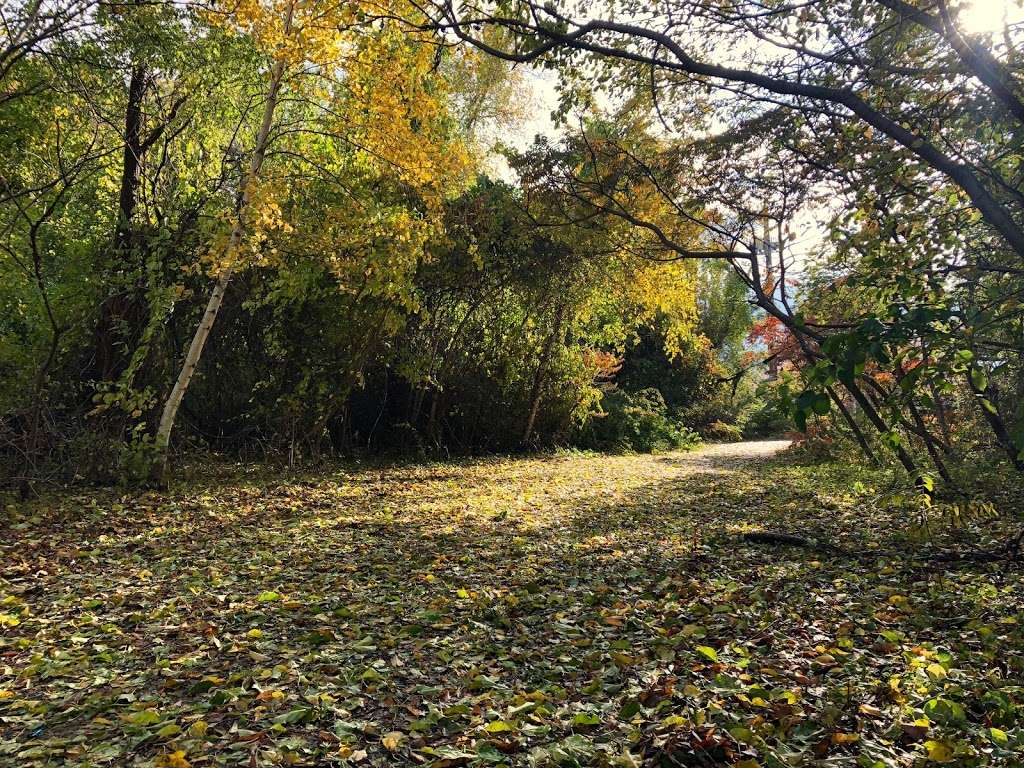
722, 432
637, 421
769, 416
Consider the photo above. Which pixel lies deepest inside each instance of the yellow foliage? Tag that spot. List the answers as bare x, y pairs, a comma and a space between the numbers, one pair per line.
369, 108
667, 291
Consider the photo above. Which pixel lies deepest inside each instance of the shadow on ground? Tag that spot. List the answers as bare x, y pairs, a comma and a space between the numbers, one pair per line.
556, 611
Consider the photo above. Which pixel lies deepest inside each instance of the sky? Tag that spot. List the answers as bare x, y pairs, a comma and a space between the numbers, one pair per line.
543, 94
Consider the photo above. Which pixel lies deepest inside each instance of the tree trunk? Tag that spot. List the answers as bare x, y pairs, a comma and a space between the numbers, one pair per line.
854, 427
123, 307
929, 442
131, 160
538, 379
879, 423
943, 418
435, 404
995, 422
195, 350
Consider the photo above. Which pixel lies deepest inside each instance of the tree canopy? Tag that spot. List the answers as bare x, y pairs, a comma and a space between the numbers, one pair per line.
511, 383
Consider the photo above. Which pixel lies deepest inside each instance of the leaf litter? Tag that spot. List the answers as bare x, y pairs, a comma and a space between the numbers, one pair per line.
564, 610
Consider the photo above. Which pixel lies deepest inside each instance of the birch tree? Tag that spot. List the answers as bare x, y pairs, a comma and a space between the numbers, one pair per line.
354, 79
281, 58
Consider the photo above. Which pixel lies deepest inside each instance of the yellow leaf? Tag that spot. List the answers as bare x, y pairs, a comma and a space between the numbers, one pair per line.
169, 730
845, 738
198, 729
143, 717
936, 671
392, 740
939, 751
173, 760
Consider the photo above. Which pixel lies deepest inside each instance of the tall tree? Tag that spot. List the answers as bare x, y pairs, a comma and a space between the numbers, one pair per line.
892, 110
382, 106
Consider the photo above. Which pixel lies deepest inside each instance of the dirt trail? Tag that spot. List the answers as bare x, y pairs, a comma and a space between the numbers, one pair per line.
729, 453
725, 457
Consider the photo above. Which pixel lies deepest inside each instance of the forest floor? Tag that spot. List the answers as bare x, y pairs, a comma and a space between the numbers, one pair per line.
563, 610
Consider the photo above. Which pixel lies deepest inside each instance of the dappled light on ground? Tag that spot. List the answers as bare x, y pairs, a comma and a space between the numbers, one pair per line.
564, 610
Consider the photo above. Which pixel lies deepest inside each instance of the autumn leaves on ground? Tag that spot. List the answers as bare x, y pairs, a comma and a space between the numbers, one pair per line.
557, 611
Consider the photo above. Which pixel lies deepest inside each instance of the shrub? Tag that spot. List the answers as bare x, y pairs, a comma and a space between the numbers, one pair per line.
769, 416
722, 432
637, 421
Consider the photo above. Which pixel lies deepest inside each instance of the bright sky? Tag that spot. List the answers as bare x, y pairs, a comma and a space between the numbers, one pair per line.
979, 17
542, 83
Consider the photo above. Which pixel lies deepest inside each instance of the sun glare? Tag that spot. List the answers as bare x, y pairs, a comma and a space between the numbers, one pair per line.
980, 17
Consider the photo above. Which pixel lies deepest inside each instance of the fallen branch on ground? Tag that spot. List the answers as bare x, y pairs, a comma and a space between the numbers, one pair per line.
1011, 551
777, 537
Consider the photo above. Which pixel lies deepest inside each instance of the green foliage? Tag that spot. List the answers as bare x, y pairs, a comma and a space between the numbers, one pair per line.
769, 414
719, 431
380, 318
637, 421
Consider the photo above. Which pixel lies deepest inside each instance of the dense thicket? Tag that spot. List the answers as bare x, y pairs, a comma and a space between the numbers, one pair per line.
899, 124
291, 201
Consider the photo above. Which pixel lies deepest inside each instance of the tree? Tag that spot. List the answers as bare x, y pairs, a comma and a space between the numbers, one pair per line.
303, 41
248, 184
888, 109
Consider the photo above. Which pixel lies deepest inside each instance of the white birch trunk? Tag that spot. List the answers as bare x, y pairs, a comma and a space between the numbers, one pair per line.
195, 349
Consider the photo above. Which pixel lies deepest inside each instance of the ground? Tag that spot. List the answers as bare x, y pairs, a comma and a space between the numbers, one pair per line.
571, 609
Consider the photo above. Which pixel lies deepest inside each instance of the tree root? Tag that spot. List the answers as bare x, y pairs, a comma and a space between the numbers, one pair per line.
1011, 551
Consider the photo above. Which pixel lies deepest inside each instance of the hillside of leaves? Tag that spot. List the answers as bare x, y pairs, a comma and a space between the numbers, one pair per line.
563, 610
